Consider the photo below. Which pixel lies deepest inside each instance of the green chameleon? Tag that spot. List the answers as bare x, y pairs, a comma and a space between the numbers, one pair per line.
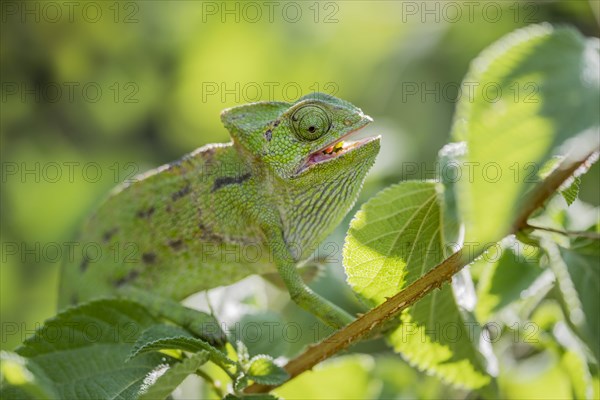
259, 204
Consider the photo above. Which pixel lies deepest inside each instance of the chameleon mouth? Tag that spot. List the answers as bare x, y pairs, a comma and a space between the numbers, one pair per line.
336, 149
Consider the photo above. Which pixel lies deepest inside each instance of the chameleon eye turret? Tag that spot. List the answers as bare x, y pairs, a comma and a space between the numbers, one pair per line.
310, 122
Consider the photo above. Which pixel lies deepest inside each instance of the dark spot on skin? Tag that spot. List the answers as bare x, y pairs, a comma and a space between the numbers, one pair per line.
149, 258
145, 213
207, 235
176, 244
74, 299
126, 279
212, 237
109, 234
181, 192
230, 180
268, 135
84, 264
276, 123
242, 115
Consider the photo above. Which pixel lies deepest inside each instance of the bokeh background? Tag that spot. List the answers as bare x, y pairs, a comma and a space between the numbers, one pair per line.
96, 92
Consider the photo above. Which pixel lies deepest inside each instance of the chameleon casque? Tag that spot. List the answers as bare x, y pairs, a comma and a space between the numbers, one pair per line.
259, 204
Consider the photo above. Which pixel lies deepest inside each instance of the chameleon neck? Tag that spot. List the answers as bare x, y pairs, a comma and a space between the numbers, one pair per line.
312, 206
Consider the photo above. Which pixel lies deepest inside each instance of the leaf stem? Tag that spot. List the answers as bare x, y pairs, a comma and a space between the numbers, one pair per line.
435, 278
585, 234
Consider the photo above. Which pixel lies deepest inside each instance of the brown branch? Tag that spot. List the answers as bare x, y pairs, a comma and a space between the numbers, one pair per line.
370, 321
443, 272
546, 189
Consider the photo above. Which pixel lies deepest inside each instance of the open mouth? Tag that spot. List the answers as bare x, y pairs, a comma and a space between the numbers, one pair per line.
336, 148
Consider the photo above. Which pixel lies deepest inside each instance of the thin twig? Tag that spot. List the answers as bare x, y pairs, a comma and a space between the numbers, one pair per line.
585, 234
443, 272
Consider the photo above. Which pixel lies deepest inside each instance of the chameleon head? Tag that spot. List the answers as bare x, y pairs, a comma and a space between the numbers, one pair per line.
307, 138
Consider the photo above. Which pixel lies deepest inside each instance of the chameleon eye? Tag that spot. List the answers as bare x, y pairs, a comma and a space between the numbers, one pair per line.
310, 122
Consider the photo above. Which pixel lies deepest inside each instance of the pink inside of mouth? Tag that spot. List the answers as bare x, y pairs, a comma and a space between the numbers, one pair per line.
329, 153
334, 151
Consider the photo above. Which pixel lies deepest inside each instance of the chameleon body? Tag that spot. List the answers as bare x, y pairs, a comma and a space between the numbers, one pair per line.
258, 204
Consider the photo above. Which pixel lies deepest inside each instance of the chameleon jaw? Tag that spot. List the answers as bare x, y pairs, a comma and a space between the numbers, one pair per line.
334, 150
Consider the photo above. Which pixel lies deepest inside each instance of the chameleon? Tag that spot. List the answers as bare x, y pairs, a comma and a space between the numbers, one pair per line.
259, 204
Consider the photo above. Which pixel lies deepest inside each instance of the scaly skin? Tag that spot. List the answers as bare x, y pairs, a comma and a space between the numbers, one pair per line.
252, 206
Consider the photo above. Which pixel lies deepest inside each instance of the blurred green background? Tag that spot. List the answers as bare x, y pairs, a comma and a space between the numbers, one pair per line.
95, 92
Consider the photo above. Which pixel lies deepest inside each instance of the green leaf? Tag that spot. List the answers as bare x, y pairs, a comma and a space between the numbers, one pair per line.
160, 384
531, 90
23, 379
262, 331
345, 377
570, 193
199, 323
539, 376
263, 370
510, 271
581, 381
399, 226
449, 158
395, 238
163, 337
434, 337
83, 350
577, 271
240, 383
570, 188
242, 352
